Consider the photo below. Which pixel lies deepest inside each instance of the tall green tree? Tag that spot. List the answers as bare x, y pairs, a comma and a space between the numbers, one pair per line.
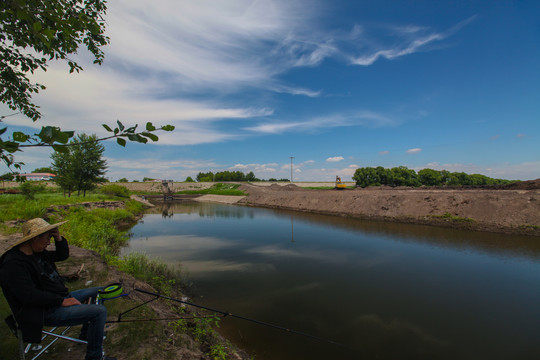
32, 33
430, 177
403, 176
368, 176
82, 167
205, 177
43, 170
62, 167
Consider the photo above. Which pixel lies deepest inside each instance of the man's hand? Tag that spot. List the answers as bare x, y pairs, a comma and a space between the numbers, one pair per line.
56, 234
70, 302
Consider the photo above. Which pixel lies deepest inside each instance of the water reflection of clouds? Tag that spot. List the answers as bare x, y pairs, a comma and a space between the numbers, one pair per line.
182, 243
366, 260
196, 267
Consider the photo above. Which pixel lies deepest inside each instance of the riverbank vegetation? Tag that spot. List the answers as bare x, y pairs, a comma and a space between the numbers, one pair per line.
100, 230
97, 229
403, 176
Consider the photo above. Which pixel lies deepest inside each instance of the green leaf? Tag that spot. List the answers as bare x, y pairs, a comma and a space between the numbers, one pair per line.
121, 142
120, 125
150, 127
151, 136
107, 127
49, 33
167, 128
62, 136
3, 130
37, 26
46, 134
21, 15
20, 136
61, 149
10, 146
131, 130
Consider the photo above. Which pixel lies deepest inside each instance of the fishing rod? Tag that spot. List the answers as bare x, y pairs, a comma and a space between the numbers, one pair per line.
226, 313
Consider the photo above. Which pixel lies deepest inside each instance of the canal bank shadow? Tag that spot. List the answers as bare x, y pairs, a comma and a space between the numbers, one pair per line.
501, 245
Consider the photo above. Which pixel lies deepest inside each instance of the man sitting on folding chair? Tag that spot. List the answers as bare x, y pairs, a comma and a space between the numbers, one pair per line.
36, 292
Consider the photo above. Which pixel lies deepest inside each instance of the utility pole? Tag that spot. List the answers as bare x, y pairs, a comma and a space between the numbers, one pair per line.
292, 157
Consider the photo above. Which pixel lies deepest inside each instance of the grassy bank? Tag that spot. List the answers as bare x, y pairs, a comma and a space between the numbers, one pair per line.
18, 207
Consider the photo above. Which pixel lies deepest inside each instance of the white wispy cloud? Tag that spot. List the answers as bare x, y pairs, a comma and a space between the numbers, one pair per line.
335, 159
405, 40
364, 118
393, 53
172, 62
177, 169
95, 96
259, 169
220, 45
414, 151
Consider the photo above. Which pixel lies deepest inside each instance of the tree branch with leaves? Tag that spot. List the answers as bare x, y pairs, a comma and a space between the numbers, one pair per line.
34, 32
58, 140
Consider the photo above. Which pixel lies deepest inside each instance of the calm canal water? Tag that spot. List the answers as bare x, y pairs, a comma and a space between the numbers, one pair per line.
386, 291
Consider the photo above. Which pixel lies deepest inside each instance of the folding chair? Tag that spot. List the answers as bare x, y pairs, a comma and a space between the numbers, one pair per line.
55, 332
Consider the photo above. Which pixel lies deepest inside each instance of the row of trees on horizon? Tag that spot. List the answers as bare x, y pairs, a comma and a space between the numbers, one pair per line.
230, 176
82, 167
403, 176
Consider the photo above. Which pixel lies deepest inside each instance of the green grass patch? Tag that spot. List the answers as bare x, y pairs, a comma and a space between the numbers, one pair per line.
13, 207
217, 189
96, 229
114, 190
164, 278
529, 227
448, 216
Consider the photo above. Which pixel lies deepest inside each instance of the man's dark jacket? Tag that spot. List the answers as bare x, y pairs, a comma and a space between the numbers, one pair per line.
26, 292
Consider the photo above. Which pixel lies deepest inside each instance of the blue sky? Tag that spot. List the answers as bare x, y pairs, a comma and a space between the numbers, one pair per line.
335, 84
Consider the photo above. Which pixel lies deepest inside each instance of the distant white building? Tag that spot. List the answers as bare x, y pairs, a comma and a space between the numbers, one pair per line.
38, 176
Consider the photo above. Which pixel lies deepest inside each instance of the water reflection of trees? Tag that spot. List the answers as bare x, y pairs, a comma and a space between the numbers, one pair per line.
501, 244
214, 210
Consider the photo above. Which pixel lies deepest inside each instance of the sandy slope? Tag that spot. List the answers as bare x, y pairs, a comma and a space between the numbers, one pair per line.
498, 210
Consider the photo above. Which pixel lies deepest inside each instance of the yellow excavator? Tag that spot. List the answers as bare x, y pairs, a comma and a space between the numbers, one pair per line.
339, 184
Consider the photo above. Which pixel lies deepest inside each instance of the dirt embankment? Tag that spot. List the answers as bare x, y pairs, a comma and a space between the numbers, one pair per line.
513, 209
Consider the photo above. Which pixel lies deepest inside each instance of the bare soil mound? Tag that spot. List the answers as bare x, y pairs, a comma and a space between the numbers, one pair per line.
524, 185
508, 210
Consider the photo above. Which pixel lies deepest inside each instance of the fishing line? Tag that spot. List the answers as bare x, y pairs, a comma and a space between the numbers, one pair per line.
226, 313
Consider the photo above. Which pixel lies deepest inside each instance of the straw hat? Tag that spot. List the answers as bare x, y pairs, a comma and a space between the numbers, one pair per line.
33, 228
